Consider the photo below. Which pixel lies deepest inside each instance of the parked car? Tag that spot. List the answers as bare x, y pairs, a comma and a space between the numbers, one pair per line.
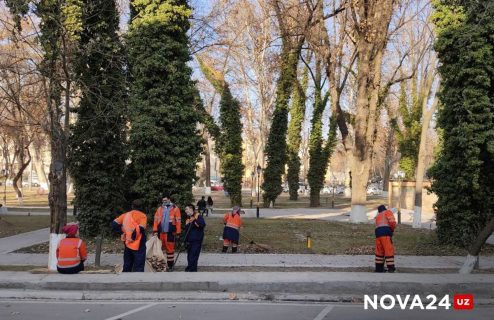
217, 186
327, 190
373, 190
340, 189
302, 187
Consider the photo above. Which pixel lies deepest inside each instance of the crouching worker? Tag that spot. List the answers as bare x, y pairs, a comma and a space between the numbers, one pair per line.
231, 231
194, 236
71, 251
385, 226
132, 225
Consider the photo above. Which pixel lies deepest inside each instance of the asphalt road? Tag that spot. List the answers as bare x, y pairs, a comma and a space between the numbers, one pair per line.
234, 310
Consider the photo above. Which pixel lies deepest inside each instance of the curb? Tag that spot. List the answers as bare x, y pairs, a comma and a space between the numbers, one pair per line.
180, 296
263, 285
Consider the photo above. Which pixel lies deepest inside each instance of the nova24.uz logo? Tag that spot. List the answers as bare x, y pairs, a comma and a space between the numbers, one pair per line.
409, 302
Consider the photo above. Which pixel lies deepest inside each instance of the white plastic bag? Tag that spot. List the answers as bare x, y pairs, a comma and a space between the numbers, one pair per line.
154, 255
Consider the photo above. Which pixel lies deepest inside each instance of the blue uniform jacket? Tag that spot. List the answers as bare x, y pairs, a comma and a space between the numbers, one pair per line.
196, 232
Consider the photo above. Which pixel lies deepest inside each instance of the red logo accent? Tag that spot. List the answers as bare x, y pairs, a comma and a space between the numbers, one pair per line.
463, 301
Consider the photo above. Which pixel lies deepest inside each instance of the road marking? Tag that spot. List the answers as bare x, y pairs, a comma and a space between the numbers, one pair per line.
324, 312
131, 312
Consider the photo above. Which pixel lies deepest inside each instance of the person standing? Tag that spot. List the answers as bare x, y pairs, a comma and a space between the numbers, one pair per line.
194, 236
231, 231
385, 252
201, 205
209, 206
167, 225
71, 251
132, 225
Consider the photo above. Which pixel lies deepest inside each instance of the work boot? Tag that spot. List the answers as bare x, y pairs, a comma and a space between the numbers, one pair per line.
391, 269
170, 266
379, 267
225, 249
234, 249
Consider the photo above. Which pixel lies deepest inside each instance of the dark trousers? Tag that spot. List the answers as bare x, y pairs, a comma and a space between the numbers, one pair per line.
193, 251
134, 259
72, 270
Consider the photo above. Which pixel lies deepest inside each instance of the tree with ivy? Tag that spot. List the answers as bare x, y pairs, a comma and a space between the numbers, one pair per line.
229, 145
297, 114
408, 136
463, 175
164, 142
228, 135
320, 150
97, 150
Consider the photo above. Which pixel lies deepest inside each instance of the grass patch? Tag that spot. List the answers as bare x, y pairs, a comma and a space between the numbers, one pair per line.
289, 236
12, 225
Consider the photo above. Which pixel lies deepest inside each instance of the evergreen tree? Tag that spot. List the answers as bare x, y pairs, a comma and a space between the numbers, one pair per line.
164, 141
297, 114
229, 146
97, 151
228, 135
463, 175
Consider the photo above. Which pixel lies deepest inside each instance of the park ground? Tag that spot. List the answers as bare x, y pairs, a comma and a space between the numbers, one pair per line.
278, 236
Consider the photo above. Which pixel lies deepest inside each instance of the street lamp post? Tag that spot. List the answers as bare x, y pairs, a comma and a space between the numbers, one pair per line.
400, 175
252, 187
258, 170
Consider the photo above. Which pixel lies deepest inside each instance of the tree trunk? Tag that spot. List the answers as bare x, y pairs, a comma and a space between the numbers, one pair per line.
473, 252
360, 176
38, 166
386, 175
371, 19
315, 197
20, 172
419, 179
97, 256
58, 191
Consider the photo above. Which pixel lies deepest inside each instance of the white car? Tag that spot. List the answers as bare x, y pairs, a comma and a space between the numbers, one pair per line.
373, 190
327, 190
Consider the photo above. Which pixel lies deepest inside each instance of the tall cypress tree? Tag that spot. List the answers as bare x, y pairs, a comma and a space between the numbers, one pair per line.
97, 151
463, 175
164, 141
229, 145
228, 135
297, 114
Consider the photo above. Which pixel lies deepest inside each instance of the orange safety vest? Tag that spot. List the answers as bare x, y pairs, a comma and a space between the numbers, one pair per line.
128, 227
385, 219
68, 252
175, 219
232, 220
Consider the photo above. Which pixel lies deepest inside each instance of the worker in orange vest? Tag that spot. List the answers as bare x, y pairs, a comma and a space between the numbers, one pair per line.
167, 225
71, 251
132, 225
385, 226
231, 231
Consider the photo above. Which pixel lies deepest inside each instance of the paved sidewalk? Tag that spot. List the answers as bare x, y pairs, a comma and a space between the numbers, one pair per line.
274, 260
266, 283
9, 244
